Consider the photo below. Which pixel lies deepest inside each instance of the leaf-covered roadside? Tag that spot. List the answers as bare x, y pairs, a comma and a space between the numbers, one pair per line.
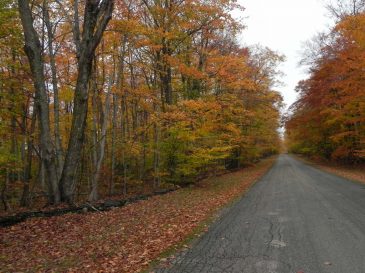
351, 172
356, 173
121, 240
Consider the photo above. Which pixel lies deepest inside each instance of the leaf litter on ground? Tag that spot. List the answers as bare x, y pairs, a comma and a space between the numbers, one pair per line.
125, 239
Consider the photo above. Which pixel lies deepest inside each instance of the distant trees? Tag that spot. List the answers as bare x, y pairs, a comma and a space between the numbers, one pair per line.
161, 93
329, 118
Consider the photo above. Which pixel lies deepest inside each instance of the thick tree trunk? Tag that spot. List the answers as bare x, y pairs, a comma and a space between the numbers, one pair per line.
166, 78
94, 151
34, 52
96, 18
165, 74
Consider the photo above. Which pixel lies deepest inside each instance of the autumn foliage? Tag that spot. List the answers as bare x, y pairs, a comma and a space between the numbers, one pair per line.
329, 118
170, 96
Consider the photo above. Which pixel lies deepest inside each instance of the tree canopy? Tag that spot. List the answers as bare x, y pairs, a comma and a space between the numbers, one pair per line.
105, 97
329, 118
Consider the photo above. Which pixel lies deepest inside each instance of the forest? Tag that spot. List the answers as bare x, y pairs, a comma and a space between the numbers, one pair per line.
328, 120
156, 136
102, 97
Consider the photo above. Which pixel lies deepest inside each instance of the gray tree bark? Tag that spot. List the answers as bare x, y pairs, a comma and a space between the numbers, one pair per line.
96, 17
56, 104
33, 49
99, 145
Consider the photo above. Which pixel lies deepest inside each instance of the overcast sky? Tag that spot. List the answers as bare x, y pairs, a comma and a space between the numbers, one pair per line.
283, 25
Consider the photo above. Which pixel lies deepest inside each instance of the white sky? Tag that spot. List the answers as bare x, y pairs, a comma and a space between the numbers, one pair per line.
283, 26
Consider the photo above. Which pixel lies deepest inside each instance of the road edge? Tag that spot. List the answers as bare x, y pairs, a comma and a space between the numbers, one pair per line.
203, 227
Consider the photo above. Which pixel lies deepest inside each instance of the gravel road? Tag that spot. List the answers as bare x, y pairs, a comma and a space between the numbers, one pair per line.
296, 219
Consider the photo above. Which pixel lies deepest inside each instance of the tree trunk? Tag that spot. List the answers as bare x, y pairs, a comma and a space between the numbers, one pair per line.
4, 190
156, 156
56, 104
28, 164
165, 74
124, 130
119, 85
96, 18
100, 146
34, 52
114, 128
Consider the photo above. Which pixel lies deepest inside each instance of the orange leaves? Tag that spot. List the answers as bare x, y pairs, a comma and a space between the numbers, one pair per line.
353, 29
185, 70
172, 94
328, 118
173, 116
199, 106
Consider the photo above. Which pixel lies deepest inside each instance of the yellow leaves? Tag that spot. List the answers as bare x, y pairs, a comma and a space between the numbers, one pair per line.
148, 43
205, 131
151, 50
130, 26
8, 160
232, 129
206, 156
353, 28
66, 94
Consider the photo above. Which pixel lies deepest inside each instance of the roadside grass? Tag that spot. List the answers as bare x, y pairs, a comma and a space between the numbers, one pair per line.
128, 239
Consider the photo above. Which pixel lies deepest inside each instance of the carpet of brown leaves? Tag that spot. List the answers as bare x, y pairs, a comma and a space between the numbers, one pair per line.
126, 239
356, 173
351, 172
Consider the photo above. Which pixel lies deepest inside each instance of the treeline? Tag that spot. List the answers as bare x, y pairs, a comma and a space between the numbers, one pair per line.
328, 120
101, 97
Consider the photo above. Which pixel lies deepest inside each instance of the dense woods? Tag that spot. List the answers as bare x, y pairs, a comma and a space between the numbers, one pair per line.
328, 120
104, 97
140, 136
